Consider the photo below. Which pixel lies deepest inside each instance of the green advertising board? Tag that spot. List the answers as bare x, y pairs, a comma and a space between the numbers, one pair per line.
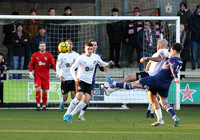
189, 93
24, 92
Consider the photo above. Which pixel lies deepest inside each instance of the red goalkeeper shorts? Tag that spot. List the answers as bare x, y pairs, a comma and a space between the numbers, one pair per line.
44, 84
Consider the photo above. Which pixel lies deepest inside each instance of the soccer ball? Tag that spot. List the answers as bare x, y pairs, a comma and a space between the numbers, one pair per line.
63, 47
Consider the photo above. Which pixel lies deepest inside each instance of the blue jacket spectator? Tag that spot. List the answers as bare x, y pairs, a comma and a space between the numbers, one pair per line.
42, 36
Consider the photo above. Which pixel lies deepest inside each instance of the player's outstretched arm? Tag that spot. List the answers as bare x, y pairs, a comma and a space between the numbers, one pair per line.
156, 59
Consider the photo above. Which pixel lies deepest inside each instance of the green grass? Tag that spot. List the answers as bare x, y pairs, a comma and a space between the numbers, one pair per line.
100, 125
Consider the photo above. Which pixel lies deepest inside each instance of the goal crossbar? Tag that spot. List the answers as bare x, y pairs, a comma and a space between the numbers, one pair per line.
109, 18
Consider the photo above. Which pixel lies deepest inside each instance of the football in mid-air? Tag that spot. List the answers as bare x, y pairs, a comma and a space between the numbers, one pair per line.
63, 47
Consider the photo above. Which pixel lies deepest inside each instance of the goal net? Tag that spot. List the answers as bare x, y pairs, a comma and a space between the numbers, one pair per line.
80, 29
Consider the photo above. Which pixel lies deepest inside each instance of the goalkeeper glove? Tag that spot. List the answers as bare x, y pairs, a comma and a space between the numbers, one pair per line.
57, 74
31, 75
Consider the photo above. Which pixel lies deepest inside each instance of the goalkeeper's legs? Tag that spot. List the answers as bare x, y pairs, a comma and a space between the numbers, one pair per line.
37, 95
44, 99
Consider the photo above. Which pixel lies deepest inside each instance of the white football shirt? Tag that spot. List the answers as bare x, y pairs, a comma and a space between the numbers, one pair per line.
86, 66
64, 63
155, 67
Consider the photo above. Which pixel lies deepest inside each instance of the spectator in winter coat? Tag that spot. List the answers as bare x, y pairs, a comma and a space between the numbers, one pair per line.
19, 42
194, 26
8, 29
185, 54
42, 36
184, 14
31, 29
134, 38
115, 34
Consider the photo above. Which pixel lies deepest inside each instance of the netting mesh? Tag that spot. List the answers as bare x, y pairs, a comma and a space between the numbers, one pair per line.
81, 31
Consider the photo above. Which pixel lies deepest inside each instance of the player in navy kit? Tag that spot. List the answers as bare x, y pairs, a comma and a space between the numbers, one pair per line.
159, 84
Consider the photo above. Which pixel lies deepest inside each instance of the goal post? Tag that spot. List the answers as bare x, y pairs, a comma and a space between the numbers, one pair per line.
95, 20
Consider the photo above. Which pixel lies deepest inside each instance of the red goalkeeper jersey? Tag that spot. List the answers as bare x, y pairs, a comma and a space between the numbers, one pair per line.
42, 64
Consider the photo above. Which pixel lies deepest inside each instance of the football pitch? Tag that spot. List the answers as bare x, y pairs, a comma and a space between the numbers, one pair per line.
100, 125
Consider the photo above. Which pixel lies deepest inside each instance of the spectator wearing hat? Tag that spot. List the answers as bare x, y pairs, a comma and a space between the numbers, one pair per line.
184, 14
19, 42
134, 38
194, 26
8, 29
42, 36
31, 29
115, 35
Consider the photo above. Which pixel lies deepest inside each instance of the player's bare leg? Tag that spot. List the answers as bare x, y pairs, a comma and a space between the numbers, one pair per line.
85, 99
130, 78
64, 99
157, 109
82, 112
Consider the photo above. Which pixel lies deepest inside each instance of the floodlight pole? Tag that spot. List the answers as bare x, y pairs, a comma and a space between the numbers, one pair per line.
177, 105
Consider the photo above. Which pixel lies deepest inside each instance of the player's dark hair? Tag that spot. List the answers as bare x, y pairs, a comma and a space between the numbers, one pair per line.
51, 9
42, 42
114, 10
68, 8
89, 44
1, 53
178, 47
92, 40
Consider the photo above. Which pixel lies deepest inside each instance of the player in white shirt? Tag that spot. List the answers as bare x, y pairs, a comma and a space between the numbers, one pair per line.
63, 65
152, 68
86, 64
95, 46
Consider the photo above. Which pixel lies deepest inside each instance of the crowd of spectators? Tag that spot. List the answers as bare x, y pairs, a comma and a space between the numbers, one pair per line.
22, 39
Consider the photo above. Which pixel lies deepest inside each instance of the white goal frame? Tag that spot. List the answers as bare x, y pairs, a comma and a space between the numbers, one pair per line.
110, 18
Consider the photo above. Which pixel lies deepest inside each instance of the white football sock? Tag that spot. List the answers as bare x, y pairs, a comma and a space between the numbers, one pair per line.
152, 110
159, 114
78, 108
72, 105
149, 106
62, 101
82, 113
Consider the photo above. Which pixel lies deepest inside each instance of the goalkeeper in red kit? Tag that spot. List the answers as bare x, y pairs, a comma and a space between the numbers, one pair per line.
41, 60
